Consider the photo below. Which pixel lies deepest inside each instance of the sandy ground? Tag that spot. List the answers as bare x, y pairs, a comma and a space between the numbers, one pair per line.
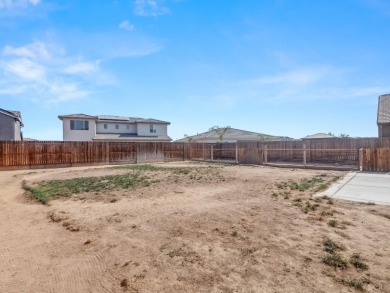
216, 229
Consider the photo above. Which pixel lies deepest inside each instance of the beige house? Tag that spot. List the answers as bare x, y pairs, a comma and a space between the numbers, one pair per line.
383, 119
81, 127
232, 135
10, 125
320, 135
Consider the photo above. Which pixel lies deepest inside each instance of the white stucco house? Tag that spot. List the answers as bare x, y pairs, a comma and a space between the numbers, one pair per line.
81, 127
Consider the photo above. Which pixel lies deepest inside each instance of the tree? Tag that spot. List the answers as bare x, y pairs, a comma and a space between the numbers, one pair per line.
190, 139
220, 131
343, 135
263, 138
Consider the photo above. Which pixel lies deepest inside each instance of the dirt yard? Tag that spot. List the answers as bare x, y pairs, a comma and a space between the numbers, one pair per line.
199, 228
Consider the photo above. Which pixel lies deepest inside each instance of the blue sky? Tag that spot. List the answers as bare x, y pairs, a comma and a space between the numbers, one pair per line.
280, 67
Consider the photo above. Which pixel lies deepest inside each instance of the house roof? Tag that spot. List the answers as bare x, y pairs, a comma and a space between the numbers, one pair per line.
233, 135
150, 120
319, 135
129, 137
383, 109
14, 114
82, 116
112, 118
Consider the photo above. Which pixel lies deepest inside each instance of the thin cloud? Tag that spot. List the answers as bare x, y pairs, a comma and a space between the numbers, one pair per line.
11, 4
41, 70
322, 83
126, 25
25, 69
82, 68
301, 77
36, 50
150, 8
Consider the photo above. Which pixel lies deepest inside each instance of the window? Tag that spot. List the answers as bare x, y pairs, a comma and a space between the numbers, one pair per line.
79, 125
127, 126
152, 128
116, 126
105, 125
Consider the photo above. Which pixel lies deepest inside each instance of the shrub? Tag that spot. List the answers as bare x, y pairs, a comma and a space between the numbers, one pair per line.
335, 260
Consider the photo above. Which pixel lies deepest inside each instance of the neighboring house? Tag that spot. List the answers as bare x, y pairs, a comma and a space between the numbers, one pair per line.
383, 120
232, 135
10, 125
81, 127
319, 136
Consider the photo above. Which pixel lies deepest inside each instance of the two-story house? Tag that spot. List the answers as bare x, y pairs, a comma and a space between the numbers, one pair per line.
10, 125
383, 118
81, 127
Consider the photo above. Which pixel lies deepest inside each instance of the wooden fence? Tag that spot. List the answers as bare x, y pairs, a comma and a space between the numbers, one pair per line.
339, 152
41, 154
375, 159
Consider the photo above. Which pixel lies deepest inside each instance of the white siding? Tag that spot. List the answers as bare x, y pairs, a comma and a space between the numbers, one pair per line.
144, 129
78, 135
18, 131
111, 127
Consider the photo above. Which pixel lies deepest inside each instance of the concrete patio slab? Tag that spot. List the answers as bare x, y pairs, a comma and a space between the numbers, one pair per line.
362, 187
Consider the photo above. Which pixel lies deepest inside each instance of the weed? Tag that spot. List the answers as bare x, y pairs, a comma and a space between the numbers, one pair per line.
356, 283
333, 223
358, 262
184, 171
143, 167
335, 260
282, 185
325, 213
329, 274
309, 207
274, 194
234, 234
146, 167
316, 184
47, 190
248, 251
175, 252
331, 246
321, 187
297, 204
305, 184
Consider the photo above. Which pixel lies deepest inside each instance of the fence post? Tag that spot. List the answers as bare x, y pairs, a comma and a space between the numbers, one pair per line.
237, 152
107, 152
265, 155
360, 159
212, 153
304, 155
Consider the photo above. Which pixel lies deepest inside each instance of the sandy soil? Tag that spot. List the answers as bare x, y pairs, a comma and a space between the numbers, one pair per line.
216, 229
